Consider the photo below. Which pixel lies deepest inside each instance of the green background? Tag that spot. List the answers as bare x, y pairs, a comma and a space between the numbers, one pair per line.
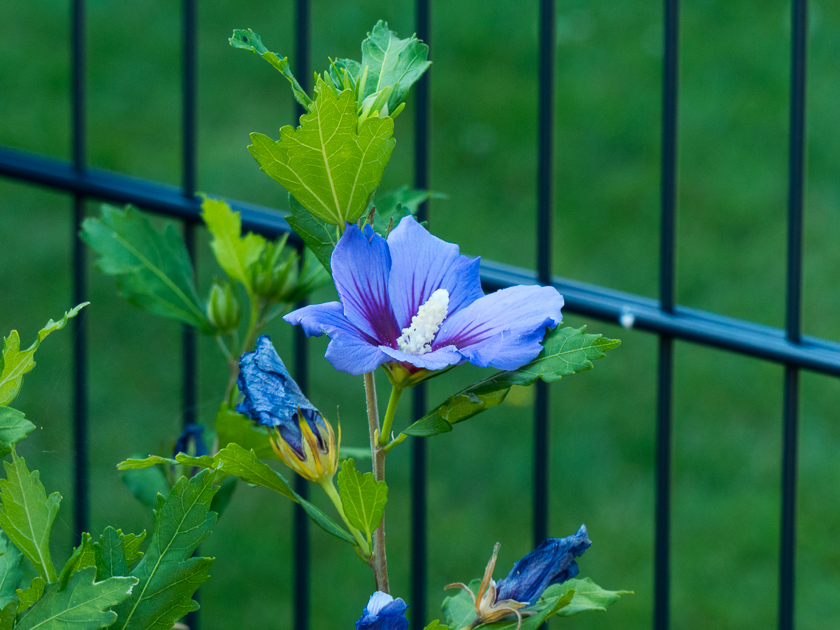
733, 118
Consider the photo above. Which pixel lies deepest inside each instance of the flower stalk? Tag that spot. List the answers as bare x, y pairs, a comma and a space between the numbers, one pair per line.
379, 561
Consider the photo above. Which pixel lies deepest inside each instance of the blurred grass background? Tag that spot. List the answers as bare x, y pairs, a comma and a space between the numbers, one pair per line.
731, 257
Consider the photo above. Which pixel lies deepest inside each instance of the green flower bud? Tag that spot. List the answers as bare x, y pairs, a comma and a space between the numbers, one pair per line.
274, 277
223, 309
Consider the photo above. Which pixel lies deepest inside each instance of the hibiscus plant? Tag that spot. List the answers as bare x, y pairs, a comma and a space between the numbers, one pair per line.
408, 303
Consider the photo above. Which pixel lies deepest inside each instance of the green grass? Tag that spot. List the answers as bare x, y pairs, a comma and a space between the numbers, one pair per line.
731, 259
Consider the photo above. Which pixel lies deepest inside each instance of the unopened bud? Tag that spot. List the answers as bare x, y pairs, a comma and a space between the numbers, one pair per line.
223, 309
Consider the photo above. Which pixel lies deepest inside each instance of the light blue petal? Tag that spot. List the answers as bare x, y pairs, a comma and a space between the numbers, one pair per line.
350, 350
383, 612
503, 329
361, 264
435, 360
421, 264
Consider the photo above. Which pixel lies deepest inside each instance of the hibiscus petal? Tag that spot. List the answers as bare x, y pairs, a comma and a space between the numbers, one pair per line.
361, 264
421, 264
350, 349
503, 329
435, 360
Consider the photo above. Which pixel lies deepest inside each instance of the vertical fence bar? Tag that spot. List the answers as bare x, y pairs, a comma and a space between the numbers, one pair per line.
796, 182
667, 275
189, 124
419, 495
545, 207
301, 555
81, 506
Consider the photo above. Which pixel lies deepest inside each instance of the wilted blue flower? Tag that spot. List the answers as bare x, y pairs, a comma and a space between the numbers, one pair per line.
383, 612
553, 562
191, 441
415, 300
302, 438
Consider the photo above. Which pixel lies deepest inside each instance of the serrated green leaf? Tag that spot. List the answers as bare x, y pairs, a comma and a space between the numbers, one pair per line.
324, 522
249, 40
320, 237
153, 269
237, 461
167, 575
7, 616
566, 351
588, 596
82, 556
436, 625
151, 460
234, 251
362, 497
32, 593
27, 514
83, 605
116, 553
9, 570
331, 164
232, 427
13, 428
146, 484
393, 62
393, 206
17, 362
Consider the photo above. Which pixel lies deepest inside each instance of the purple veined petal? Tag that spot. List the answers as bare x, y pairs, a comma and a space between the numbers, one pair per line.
421, 264
437, 359
350, 349
361, 264
503, 329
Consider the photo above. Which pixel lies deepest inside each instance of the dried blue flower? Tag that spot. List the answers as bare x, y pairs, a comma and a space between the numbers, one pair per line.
191, 441
553, 562
301, 437
383, 612
415, 302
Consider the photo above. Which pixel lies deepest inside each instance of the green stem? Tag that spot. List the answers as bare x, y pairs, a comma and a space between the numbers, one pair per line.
393, 401
332, 493
379, 561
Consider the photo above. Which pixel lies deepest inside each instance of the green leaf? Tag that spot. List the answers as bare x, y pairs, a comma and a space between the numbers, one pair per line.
393, 206
32, 593
436, 625
83, 605
324, 522
331, 164
237, 461
566, 351
116, 553
320, 237
249, 40
234, 252
17, 362
9, 570
153, 269
393, 62
82, 556
167, 575
146, 484
362, 497
151, 460
7, 616
13, 428
232, 427
588, 596
27, 514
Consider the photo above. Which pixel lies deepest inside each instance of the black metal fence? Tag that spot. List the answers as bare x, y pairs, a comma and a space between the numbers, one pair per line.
663, 318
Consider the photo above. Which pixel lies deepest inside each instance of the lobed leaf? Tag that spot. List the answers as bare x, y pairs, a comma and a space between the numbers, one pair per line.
249, 40
392, 62
16, 362
83, 605
27, 514
234, 252
167, 575
332, 163
82, 556
153, 269
27, 597
362, 497
13, 428
588, 596
116, 553
566, 351
7, 616
10, 573
145, 484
